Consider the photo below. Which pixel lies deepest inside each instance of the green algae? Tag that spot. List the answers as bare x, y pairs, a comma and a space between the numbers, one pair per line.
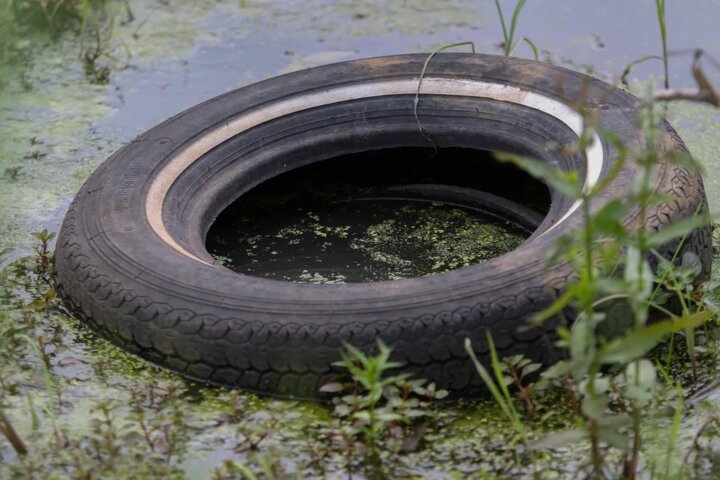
49, 106
450, 239
358, 241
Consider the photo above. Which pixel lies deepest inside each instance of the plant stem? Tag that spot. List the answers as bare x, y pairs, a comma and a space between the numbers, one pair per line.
660, 8
595, 449
522, 391
7, 429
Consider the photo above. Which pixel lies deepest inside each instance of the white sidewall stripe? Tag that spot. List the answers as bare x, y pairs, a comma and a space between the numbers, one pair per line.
430, 85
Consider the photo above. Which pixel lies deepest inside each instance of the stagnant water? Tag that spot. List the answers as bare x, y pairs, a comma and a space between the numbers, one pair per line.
379, 215
361, 240
57, 125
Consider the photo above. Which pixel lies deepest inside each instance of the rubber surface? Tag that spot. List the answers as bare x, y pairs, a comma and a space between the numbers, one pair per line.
208, 323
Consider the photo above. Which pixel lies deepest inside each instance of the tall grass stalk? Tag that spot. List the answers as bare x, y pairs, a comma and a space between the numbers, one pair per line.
509, 32
6, 428
497, 386
660, 9
674, 432
416, 100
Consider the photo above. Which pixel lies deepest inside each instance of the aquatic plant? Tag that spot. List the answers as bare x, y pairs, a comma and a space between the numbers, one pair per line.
611, 266
498, 386
509, 44
92, 22
376, 404
660, 10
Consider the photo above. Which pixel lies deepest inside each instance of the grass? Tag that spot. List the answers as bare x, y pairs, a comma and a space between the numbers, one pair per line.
660, 10
508, 31
416, 100
497, 386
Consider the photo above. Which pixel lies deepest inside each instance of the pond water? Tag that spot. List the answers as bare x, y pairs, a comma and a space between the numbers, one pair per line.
59, 119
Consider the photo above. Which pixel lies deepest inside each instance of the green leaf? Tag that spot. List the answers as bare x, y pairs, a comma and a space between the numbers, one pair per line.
506, 38
560, 370
507, 409
595, 406
582, 344
641, 373
678, 228
332, 387
416, 100
685, 160
609, 219
567, 182
516, 14
638, 273
614, 438
363, 415
637, 343
343, 410
530, 368
693, 320
556, 307
536, 53
388, 416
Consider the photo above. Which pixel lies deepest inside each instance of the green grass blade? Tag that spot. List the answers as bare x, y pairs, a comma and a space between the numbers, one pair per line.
674, 431
498, 373
84, 14
490, 384
416, 100
513, 22
506, 40
536, 52
660, 9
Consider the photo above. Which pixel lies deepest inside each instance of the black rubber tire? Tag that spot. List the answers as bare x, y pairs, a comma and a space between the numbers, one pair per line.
135, 285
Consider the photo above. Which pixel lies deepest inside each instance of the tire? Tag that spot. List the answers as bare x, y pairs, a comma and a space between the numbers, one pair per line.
131, 259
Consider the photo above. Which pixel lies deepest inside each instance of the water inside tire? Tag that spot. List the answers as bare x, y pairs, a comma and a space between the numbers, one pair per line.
323, 224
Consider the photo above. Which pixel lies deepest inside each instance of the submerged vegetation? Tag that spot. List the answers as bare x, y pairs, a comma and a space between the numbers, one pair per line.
633, 399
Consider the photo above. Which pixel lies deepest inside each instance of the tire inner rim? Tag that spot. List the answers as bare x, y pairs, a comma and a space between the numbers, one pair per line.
430, 85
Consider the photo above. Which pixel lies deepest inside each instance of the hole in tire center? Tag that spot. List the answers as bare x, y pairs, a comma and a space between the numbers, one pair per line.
379, 215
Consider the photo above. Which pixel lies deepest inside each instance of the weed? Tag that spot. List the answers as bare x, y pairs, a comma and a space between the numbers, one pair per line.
43, 251
497, 386
416, 100
376, 406
610, 262
660, 10
674, 432
509, 44
660, 13
12, 173
516, 369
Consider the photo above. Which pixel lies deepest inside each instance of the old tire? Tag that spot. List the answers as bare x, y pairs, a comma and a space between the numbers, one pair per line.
131, 259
